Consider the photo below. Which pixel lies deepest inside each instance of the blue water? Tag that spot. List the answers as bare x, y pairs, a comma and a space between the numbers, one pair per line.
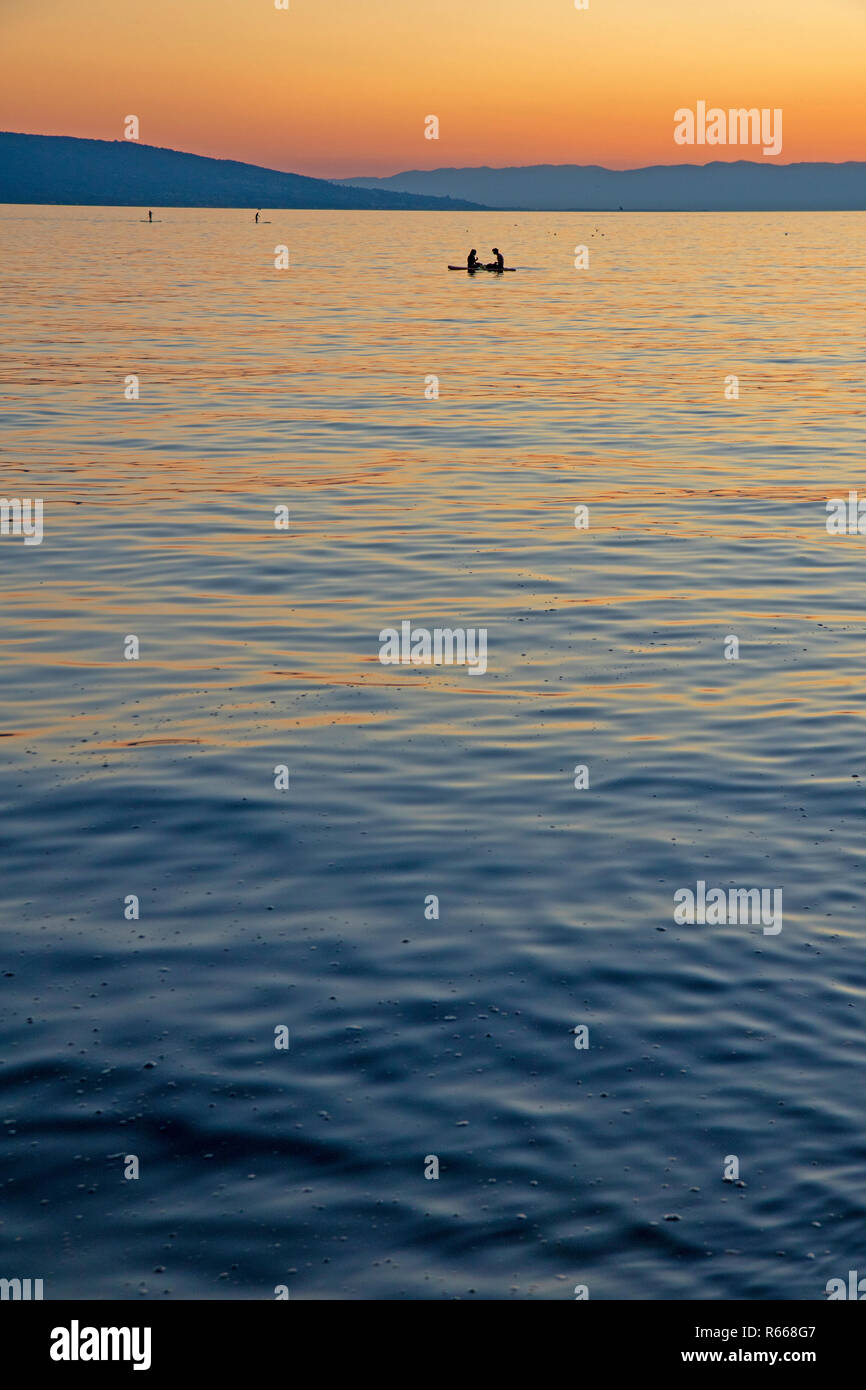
414, 1037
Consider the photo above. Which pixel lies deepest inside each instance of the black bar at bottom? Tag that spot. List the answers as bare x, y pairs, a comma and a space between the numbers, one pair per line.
228, 1339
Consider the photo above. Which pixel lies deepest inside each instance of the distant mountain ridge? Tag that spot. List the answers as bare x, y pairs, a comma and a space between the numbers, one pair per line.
124, 173
734, 186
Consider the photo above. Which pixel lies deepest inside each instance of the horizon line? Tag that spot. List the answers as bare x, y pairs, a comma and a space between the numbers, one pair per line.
439, 168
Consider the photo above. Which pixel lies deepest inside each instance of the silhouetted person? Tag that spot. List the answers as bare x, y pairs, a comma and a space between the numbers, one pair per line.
257, 216
500, 259
150, 217
472, 261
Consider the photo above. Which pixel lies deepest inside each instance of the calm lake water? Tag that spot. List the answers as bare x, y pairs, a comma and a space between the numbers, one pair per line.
410, 1036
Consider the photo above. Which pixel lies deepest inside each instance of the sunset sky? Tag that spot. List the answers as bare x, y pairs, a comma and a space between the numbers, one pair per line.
341, 87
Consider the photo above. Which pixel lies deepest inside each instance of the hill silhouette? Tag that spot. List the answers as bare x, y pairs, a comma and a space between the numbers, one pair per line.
124, 173
735, 186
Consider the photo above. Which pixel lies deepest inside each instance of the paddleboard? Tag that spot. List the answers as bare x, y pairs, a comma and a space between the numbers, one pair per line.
494, 269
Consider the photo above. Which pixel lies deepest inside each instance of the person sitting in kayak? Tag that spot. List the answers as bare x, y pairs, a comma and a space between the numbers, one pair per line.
500, 259
472, 261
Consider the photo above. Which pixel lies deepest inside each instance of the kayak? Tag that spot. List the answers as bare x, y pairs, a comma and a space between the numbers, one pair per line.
495, 268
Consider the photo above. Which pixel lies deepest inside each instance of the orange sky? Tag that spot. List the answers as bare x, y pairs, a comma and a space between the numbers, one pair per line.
342, 87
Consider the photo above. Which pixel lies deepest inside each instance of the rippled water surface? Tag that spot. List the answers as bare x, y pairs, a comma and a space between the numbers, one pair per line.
412, 1037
